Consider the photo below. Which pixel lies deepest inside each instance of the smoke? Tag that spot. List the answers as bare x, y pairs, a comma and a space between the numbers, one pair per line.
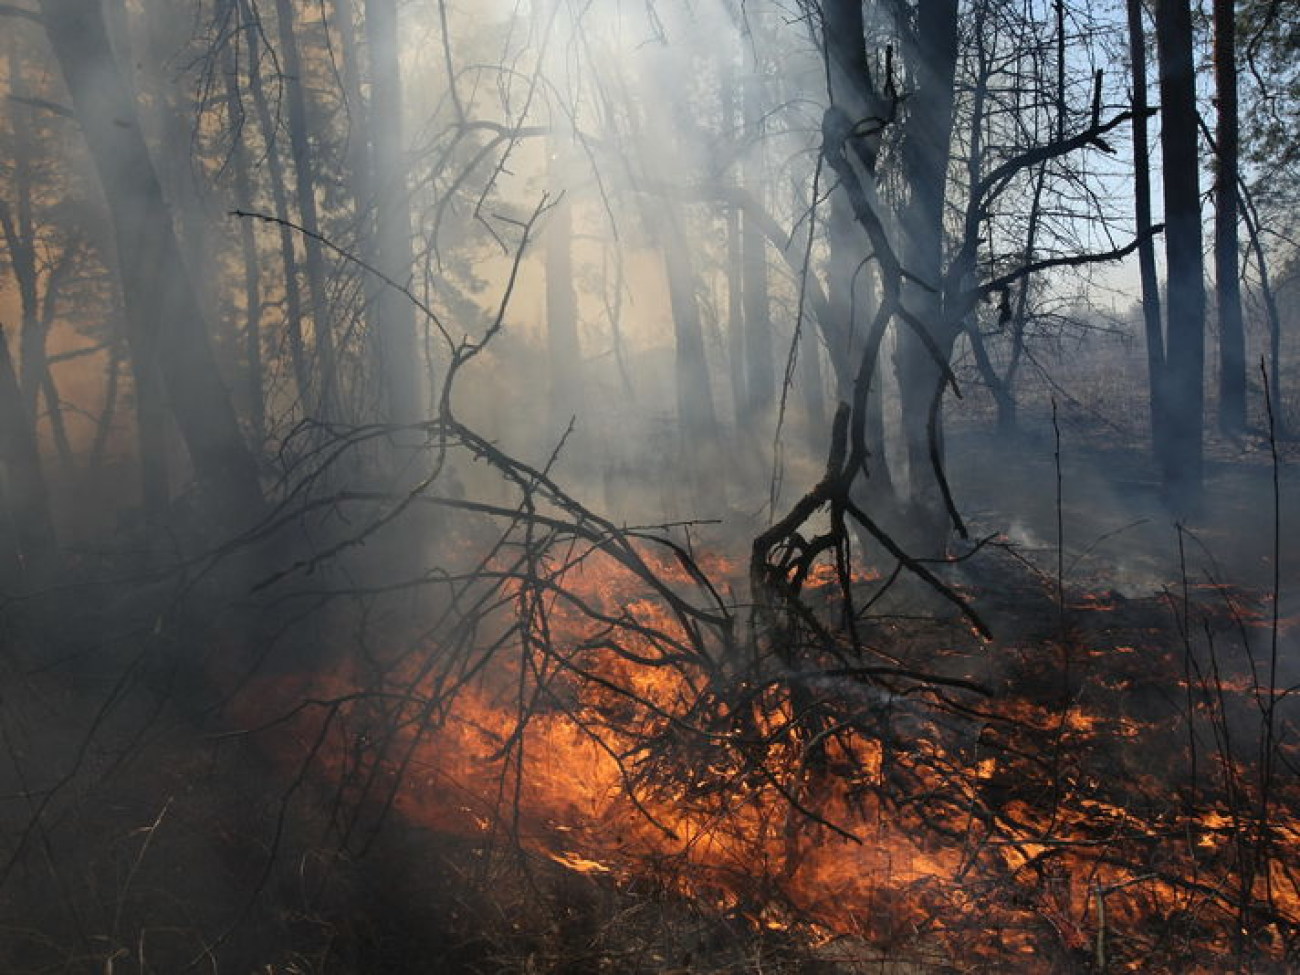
605, 274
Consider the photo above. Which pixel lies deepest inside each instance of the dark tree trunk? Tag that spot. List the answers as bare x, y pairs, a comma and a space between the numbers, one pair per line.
24, 483
846, 49
664, 220
399, 351
151, 428
850, 288
293, 310
1005, 391
1227, 258
694, 391
851, 296
325, 405
1182, 454
814, 386
926, 149
165, 325
253, 376
1152, 325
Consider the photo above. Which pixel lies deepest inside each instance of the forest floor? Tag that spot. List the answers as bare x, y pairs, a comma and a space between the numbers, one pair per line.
139, 835
1115, 529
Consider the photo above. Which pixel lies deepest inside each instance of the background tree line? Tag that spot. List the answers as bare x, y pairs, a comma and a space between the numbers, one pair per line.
233, 232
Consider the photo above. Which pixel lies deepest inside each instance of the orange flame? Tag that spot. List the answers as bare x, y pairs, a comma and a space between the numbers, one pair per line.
1032, 831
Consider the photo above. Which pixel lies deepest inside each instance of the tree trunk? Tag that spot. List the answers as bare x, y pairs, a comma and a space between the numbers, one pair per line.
325, 407
293, 310
253, 375
925, 152
165, 327
24, 484
395, 322
1227, 256
1151, 322
694, 392
846, 50
814, 386
1005, 391
1182, 454
852, 287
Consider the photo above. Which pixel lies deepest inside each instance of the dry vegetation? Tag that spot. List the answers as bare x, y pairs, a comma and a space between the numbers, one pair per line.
1108, 784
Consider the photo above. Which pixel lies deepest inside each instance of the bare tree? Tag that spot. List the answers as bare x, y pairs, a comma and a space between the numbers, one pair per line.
1227, 250
400, 357
325, 404
1181, 453
1150, 298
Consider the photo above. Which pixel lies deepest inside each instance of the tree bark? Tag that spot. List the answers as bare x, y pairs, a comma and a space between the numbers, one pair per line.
694, 391
850, 289
1182, 458
925, 156
253, 377
395, 322
1151, 321
325, 406
293, 310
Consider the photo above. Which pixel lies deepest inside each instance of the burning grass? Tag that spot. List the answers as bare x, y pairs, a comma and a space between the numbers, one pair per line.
1088, 798
604, 750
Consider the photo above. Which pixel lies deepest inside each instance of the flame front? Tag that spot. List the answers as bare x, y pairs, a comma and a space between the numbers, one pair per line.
622, 737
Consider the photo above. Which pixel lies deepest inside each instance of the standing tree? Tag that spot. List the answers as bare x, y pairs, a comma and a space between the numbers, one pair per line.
399, 358
325, 404
1227, 257
930, 51
1181, 450
1150, 298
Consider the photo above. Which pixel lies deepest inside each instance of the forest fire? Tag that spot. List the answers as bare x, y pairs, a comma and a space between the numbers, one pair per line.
1122, 823
669, 488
